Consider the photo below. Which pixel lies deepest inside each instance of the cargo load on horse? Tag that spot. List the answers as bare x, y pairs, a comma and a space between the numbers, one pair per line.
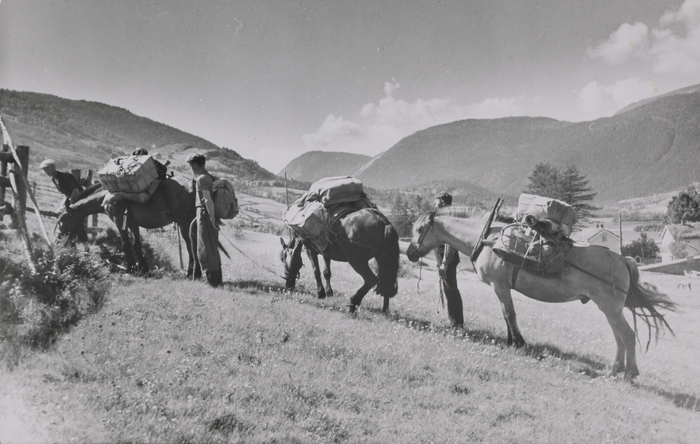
133, 177
538, 239
327, 200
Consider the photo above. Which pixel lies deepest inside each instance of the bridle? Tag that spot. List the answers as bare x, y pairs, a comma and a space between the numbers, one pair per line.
431, 220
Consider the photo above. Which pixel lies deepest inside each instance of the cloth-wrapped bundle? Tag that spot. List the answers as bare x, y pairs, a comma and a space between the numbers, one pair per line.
128, 174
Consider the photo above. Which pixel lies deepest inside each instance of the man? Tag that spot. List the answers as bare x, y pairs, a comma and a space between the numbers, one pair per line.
207, 235
447, 260
66, 183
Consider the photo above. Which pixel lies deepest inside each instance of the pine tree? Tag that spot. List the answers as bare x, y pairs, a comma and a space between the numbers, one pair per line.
569, 186
575, 191
544, 181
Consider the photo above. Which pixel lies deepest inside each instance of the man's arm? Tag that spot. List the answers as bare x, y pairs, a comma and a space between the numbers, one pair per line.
209, 205
446, 259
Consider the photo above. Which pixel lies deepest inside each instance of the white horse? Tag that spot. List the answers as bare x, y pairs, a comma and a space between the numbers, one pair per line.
592, 273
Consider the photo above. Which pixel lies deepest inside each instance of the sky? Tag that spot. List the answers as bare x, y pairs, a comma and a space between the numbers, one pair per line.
274, 79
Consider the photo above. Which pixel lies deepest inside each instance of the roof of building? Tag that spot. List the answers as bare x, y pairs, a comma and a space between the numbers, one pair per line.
589, 233
684, 231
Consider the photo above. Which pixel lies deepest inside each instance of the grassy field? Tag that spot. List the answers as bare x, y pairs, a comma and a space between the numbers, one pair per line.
167, 360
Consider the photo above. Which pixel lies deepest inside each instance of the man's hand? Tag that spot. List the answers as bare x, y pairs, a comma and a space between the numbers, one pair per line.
441, 270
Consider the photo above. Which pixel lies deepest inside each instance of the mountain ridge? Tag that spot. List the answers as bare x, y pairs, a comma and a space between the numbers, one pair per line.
654, 147
85, 134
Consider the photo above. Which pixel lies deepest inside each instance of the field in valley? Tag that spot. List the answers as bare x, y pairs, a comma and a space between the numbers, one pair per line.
167, 360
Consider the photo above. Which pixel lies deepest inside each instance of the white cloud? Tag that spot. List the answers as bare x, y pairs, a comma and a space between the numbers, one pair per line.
672, 48
628, 41
604, 100
675, 52
378, 126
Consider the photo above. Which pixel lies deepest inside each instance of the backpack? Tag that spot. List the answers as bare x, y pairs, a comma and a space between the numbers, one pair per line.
225, 202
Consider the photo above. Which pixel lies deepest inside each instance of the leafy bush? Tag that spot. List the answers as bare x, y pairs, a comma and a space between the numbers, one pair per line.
155, 251
642, 247
37, 307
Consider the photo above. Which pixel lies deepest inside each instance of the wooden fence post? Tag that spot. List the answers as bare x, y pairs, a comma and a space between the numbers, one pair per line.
3, 176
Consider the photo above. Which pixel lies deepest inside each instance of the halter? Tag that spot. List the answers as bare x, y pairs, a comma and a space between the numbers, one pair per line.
431, 220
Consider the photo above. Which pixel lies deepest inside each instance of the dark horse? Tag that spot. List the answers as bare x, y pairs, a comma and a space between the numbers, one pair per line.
355, 238
173, 201
593, 273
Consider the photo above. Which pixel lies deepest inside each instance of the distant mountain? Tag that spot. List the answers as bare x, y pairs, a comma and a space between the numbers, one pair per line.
84, 135
315, 165
687, 90
650, 148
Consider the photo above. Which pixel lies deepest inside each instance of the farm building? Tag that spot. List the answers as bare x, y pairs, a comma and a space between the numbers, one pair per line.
599, 235
681, 239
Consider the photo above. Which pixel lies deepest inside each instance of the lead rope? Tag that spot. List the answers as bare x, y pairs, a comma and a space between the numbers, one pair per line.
249, 258
420, 274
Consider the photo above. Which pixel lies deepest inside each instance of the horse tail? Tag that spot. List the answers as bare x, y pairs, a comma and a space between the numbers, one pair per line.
388, 263
644, 300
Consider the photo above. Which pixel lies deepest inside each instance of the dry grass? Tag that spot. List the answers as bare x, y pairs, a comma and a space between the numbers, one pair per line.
174, 361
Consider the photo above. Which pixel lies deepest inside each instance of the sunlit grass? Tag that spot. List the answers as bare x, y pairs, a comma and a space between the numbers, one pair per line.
169, 360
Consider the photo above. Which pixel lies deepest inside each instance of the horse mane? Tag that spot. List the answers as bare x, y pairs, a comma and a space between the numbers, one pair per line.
462, 212
468, 212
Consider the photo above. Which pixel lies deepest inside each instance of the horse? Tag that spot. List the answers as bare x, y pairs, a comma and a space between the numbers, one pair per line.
355, 238
291, 253
173, 201
592, 273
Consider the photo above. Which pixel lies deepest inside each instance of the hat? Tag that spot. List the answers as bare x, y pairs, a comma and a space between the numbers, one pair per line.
140, 152
46, 163
444, 198
197, 158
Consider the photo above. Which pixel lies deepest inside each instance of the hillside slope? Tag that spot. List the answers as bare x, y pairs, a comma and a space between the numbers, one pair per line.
85, 134
314, 165
651, 148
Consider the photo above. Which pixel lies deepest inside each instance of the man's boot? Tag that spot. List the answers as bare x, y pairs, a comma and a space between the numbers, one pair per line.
214, 278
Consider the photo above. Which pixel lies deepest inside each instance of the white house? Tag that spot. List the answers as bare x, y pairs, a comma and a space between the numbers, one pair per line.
599, 235
687, 236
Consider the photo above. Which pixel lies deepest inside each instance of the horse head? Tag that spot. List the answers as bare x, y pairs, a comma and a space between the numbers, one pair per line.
291, 258
421, 244
71, 227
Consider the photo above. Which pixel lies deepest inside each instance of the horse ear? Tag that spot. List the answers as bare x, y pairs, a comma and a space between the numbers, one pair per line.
282, 242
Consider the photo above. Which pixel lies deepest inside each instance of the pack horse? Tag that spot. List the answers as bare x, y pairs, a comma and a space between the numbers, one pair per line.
337, 221
608, 279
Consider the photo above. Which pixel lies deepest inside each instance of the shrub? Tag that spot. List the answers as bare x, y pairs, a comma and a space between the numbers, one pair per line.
154, 251
38, 307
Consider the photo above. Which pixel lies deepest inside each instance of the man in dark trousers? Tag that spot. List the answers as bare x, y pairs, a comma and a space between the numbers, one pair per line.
66, 183
447, 261
207, 234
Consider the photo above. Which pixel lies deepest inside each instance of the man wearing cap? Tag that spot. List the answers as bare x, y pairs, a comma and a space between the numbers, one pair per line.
207, 234
66, 183
447, 260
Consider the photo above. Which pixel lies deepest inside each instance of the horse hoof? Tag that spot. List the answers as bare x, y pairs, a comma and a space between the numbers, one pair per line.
352, 308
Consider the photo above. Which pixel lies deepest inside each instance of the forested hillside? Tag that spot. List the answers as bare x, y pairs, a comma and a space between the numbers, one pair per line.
85, 134
652, 148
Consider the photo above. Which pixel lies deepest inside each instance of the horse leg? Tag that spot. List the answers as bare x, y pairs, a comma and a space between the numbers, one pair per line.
327, 276
138, 248
118, 220
624, 335
508, 309
313, 257
362, 268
